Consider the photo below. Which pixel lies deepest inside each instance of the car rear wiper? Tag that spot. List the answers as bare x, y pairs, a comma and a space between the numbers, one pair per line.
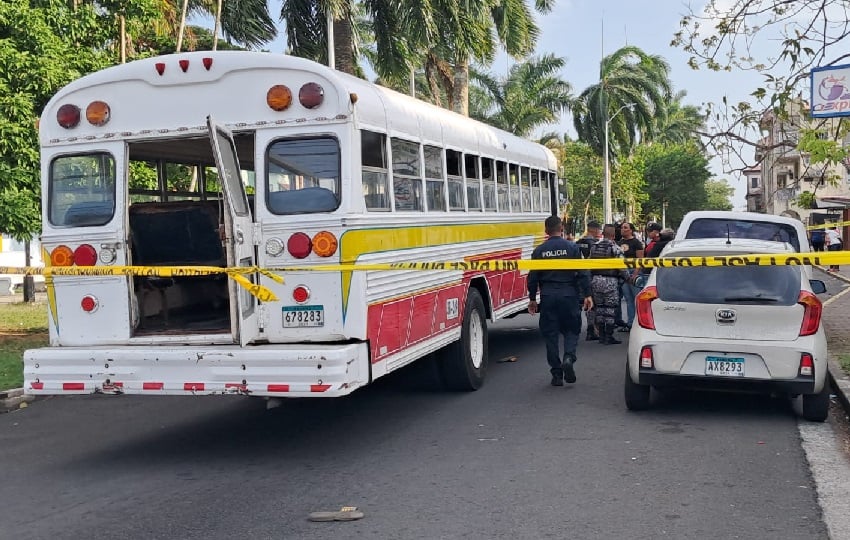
751, 299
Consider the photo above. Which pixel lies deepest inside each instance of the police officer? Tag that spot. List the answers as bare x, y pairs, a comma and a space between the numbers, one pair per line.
594, 234
560, 310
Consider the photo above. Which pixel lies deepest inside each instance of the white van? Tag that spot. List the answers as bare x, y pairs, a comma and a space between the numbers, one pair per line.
727, 224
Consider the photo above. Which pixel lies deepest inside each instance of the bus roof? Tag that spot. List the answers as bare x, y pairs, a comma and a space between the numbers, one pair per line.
233, 85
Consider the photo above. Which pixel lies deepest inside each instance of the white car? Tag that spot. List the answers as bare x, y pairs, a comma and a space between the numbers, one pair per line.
728, 224
730, 327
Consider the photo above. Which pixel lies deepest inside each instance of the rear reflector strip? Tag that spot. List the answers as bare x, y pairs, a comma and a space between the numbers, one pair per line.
152, 386
73, 386
278, 388
193, 386
319, 387
37, 386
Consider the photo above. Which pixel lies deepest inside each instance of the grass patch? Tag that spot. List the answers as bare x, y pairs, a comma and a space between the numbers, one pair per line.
22, 326
844, 360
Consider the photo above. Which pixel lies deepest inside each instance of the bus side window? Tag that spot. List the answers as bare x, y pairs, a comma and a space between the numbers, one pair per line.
502, 186
488, 174
513, 180
535, 190
473, 183
407, 180
376, 180
547, 183
453, 162
434, 183
525, 190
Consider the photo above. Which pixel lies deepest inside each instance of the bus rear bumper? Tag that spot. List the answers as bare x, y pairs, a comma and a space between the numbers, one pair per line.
328, 370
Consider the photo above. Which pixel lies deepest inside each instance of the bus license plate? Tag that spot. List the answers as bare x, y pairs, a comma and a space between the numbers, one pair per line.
300, 316
723, 366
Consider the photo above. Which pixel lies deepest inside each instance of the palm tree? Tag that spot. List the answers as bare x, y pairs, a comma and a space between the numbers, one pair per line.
680, 123
530, 96
632, 82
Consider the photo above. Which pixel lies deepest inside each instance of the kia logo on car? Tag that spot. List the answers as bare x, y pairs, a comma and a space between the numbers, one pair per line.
726, 316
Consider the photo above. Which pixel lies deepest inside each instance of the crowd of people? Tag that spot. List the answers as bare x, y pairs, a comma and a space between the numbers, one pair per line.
601, 294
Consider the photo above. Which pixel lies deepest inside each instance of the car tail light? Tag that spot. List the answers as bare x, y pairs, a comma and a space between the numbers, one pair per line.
646, 358
807, 365
97, 113
62, 256
324, 244
68, 116
812, 311
299, 245
85, 255
300, 294
643, 307
311, 95
279, 97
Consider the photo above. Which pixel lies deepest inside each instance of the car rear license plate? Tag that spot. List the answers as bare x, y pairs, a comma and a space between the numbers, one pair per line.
300, 316
724, 366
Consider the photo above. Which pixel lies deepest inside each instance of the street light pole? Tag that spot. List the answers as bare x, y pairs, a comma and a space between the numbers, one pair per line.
606, 188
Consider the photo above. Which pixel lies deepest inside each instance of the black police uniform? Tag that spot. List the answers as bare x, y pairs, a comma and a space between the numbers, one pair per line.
560, 310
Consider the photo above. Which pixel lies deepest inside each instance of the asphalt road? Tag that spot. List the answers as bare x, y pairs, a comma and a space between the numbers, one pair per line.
517, 459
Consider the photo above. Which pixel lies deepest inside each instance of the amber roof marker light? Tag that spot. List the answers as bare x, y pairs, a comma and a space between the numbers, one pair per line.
279, 97
98, 113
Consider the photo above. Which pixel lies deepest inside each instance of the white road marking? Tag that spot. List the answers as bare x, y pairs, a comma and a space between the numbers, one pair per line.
836, 297
831, 471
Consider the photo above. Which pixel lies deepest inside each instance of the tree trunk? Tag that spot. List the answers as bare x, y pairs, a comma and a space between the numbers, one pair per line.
433, 84
343, 46
182, 25
123, 23
29, 282
217, 26
460, 97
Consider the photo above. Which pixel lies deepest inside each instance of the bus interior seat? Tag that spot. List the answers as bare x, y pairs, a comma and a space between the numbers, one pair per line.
313, 199
89, 213
176, 233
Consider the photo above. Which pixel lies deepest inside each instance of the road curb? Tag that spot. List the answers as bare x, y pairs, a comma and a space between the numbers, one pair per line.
12, 400
840, 384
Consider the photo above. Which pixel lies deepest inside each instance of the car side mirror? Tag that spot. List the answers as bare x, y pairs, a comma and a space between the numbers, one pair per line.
817, 286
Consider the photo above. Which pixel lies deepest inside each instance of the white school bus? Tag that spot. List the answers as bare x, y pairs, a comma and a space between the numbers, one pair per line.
232, 159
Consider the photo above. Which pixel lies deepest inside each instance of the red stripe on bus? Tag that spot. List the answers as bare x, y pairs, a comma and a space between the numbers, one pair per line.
278, 388
319, 387
73, 386
37, 386
152, 386
193, 386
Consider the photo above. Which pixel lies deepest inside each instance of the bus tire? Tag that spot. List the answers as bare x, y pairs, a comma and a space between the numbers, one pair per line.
463, 364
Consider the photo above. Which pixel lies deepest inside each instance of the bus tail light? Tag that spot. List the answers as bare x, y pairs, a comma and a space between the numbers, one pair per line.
85, 255
68, 116
812, 311
324, 244
643, 307
274, 247
299, 245
97, 113
311, 95
88, 303
62, 256
279, 97
300, 294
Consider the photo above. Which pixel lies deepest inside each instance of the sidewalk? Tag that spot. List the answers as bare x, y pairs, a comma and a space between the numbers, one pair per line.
836, 322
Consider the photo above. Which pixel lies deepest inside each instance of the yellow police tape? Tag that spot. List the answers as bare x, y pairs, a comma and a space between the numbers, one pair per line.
828, 225
239, 274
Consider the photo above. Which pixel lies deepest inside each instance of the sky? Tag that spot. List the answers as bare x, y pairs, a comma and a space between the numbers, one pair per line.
579, 31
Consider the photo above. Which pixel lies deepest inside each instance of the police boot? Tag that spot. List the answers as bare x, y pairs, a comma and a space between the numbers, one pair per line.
592, 335
608, 338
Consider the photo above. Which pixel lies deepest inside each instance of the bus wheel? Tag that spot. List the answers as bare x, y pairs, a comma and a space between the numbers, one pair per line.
463, 364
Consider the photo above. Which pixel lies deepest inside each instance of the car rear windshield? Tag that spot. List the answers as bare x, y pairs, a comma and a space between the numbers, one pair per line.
739, 228
303, 176
769, 285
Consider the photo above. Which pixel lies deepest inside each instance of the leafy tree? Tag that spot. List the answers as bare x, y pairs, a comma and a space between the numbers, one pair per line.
675, 174
632, 82
794, 35
582, 170
718, 194
530, 96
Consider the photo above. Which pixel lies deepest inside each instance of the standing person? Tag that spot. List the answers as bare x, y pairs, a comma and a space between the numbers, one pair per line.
818, 239
632, 248
605, 285
833, 240
653, 231
560, 291
594, 234
654, 250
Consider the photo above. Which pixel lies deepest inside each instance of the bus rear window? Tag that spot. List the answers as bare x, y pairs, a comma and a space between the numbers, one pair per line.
303, 176
740, 228
82, 190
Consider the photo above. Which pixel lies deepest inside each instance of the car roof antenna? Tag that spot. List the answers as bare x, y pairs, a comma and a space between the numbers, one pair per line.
728, 236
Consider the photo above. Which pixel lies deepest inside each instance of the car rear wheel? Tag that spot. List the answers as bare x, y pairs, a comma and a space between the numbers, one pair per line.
637, 395
816, 406
463, 364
